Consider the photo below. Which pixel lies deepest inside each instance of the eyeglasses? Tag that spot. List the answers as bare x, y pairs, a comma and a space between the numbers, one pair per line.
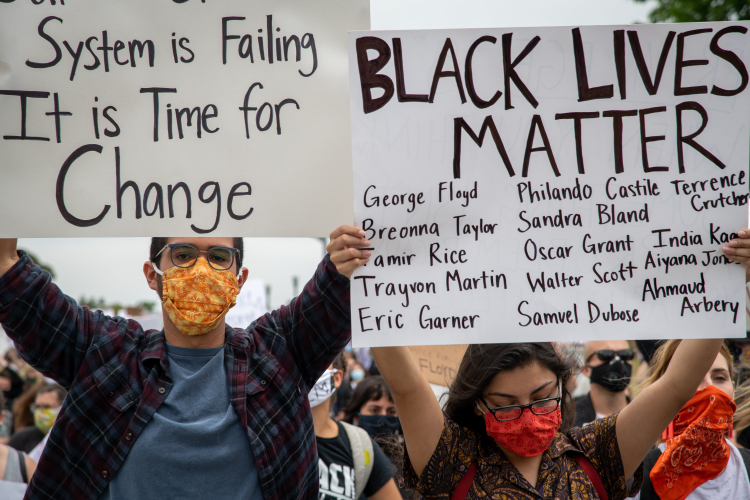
608, 355
184, 256
540, 407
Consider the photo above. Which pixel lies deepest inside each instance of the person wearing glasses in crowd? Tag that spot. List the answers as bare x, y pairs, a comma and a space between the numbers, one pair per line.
198, 409
506, 429
47, 403
607, 364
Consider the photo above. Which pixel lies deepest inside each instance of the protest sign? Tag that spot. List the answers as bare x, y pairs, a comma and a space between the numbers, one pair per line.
251, 304
438, 363
143, 118
542, 184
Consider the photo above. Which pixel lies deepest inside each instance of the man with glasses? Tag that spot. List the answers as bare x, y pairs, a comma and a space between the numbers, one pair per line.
199, 409
607, 364
49, 398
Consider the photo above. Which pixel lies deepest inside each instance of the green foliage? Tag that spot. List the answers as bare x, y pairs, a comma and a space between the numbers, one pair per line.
687, 11
147, 306
100, 303
93, 303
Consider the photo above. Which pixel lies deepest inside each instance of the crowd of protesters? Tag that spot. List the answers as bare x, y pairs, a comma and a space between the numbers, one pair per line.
285, 408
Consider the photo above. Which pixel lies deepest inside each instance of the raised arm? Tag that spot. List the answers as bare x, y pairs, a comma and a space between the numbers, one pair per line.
418, 409
51, 331
316, 324
640, 424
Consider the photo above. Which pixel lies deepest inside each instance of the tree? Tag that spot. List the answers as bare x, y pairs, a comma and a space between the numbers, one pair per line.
690, 11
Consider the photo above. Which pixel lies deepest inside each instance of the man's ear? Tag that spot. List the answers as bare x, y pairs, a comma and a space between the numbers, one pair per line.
586, 371
151, 276
242, 278
337, 378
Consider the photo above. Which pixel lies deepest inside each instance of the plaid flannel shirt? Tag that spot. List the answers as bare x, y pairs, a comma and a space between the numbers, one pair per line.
118, 376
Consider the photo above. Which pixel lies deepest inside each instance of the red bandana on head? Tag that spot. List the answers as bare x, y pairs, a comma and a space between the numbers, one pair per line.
698, 452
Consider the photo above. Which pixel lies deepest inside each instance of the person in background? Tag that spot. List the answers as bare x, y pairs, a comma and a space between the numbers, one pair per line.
22, 412
351, 464
15, 466
607, 363
47, 403
6, 426
11, 385
740, 350
646, 348
22, 368
353, 374
694, 459
356, 374
364, 358
741, 437
371, 407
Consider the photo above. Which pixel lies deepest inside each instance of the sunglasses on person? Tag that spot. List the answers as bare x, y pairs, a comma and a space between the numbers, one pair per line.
607, 355
184, 255
512, 412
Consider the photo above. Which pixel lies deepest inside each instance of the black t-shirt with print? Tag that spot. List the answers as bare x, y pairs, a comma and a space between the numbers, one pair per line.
336, 468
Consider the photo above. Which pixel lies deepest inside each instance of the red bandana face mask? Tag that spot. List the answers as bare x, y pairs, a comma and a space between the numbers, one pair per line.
528, 435
698, 452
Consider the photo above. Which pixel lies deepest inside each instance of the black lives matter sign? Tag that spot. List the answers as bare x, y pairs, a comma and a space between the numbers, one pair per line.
549, 183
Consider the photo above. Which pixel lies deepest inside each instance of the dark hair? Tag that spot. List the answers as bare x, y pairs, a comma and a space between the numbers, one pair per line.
482, 362
371, 388
22, 415
158, 243
340, 363
56, 388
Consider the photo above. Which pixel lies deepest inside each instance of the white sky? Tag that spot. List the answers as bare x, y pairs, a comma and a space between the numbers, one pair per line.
111, 267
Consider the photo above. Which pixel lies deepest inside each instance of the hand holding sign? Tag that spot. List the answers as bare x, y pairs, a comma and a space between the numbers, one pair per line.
738, 250
347, 249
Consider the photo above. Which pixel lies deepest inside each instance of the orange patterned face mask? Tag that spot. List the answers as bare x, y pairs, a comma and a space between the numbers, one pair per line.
197, 298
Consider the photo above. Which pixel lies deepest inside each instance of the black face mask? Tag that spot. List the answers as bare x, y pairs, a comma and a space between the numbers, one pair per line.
375, 425
614, 376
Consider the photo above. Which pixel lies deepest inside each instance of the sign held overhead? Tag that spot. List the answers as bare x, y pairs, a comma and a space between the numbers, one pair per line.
141, 118
538, 184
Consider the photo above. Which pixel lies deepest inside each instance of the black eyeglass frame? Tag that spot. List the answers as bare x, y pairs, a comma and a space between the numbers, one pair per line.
530, 406
623, 354
172, 246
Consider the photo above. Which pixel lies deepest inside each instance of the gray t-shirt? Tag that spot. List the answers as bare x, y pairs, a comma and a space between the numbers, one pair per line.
195, 446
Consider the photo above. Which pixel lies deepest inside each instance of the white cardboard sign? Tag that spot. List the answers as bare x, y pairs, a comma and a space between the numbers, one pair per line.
146, 118
251, 304
535, 184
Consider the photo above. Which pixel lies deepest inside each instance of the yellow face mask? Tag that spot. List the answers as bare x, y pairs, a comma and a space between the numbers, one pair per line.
197, 298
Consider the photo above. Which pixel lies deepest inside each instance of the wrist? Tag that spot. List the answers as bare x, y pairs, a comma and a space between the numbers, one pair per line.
7, 262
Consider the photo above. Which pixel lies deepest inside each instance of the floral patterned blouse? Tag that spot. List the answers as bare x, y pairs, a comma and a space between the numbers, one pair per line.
560, 477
